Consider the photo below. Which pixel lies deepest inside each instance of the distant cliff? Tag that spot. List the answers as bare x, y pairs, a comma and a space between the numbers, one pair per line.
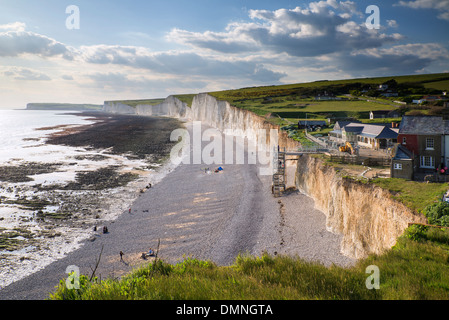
64, 106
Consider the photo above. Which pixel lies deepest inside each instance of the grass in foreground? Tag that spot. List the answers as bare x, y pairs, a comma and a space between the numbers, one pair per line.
417, 267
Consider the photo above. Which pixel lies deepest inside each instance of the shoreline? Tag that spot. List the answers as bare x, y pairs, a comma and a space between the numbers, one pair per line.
194, 214
55, 212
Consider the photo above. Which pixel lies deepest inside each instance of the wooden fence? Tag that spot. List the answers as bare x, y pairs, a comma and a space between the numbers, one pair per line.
369, 162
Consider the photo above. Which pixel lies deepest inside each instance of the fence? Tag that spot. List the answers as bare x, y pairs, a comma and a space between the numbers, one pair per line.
316, 140
369, 162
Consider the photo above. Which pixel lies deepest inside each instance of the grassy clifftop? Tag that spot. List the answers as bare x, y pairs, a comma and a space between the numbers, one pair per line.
353, 97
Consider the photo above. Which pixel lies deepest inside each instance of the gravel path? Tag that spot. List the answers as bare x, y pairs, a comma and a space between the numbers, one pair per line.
194, 214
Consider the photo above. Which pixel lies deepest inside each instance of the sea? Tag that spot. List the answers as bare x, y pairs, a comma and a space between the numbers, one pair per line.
28, 244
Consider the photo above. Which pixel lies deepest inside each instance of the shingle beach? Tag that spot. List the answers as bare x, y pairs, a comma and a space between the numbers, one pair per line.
200, 214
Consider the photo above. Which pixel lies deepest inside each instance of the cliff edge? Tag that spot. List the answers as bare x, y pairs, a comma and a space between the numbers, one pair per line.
366, 215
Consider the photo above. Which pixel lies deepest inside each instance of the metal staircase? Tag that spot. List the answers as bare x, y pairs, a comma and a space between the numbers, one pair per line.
279, 177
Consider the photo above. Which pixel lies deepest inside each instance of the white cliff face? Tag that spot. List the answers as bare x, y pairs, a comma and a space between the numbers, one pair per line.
171, 107
235, 121
367, 216
207, 109
117, 107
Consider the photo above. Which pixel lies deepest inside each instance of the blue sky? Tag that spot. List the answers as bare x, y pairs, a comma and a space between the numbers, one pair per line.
151, 49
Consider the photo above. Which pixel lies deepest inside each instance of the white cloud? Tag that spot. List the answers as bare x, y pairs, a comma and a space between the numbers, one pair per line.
19, 42
322, 27
440, 5
14, 26
184, 63
392, 23
18, 73
398, 60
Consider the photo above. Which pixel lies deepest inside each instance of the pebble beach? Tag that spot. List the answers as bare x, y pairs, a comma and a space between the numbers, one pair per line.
193, 212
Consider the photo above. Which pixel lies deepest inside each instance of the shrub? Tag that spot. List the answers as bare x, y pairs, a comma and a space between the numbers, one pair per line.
438, 213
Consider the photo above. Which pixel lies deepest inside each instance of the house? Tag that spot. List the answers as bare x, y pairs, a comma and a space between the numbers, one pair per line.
382, 114
326, 96
402, 163
373, 136
431, 98
389, 93
428, 98
427, 137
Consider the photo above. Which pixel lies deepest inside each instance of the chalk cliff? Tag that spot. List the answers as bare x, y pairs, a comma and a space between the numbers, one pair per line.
366, 215
218, 114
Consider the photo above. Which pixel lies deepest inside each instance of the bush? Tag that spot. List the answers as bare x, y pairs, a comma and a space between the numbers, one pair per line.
416, 232
438, 213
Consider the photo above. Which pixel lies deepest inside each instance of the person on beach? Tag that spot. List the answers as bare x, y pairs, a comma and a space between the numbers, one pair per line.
121, 255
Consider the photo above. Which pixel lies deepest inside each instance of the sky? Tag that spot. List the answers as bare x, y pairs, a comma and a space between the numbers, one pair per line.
84, 51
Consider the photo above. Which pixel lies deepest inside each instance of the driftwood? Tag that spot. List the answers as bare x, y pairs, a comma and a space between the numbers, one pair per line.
427, 225
96, 265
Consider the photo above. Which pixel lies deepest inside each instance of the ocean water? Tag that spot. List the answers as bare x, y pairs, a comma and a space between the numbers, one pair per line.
22, 140
19, 138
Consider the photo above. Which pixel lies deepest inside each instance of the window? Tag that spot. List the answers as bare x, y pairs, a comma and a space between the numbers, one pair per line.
430, 143
398, 166
427, 162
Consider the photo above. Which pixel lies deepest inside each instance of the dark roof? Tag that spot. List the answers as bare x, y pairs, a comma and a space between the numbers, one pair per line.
353, 128
381, 111
312, 122
422, 125
374, 131
387, 133
368, 130
402, 153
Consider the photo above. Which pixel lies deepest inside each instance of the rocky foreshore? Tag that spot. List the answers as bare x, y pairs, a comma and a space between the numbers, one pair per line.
52, 206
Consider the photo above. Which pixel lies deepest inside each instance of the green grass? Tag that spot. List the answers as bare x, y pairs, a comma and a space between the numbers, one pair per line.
414, 194
440, 85
134, 103
417, 267
294, 101
186, 98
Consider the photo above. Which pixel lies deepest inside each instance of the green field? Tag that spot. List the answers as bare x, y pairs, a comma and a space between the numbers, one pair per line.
134, 103
292, 102
440, 85
186, 98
